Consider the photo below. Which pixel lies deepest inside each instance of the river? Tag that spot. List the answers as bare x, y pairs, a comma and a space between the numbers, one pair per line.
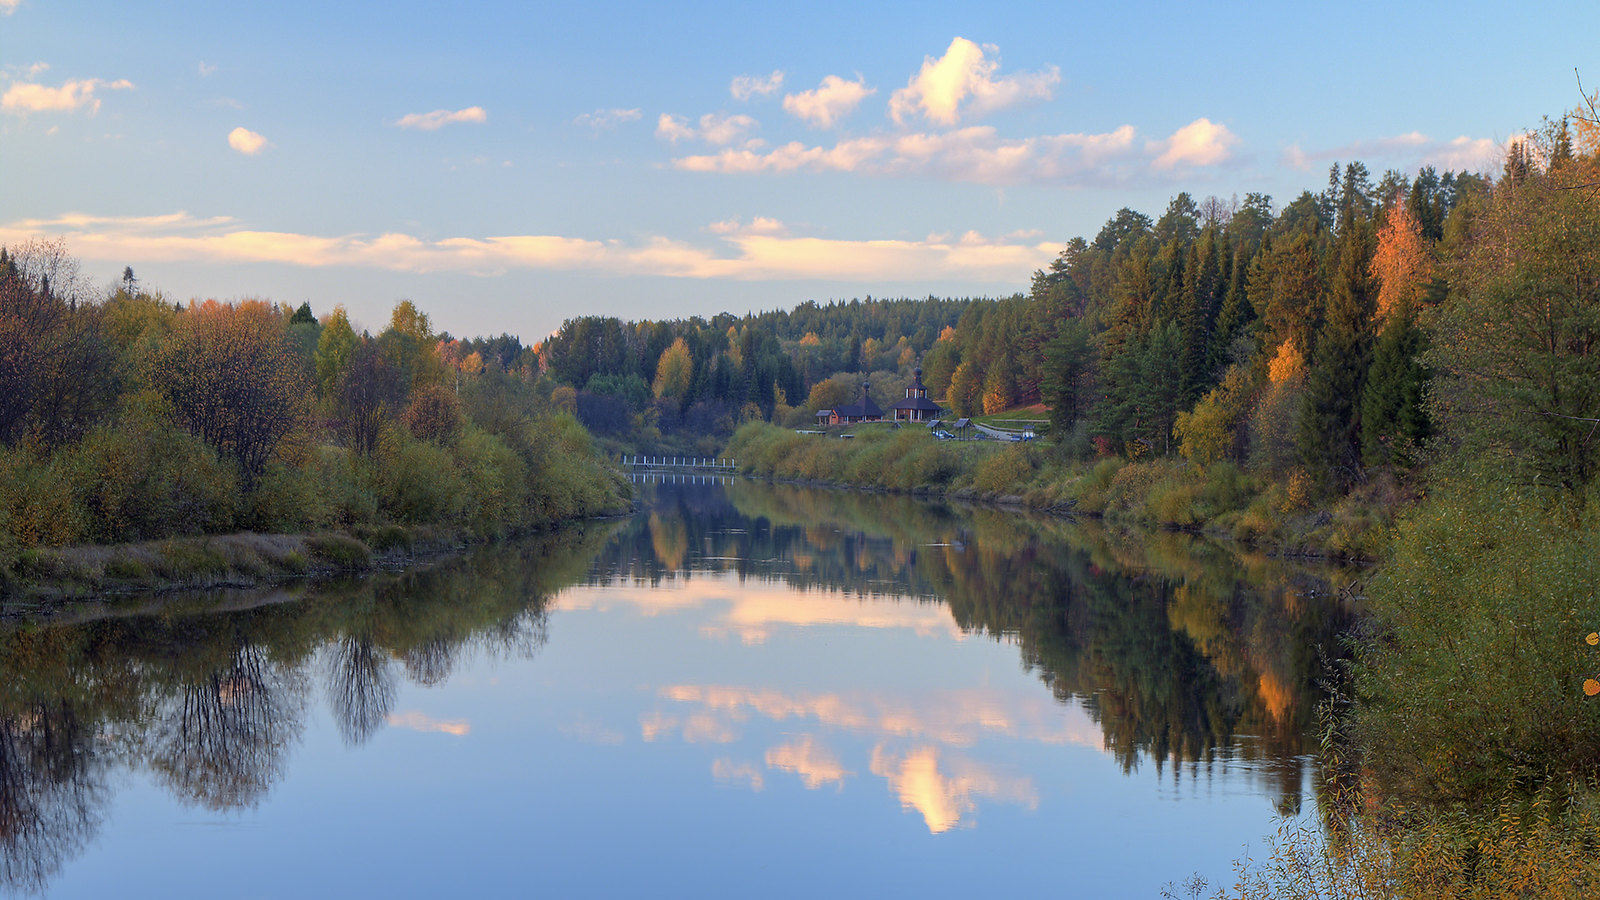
743, 690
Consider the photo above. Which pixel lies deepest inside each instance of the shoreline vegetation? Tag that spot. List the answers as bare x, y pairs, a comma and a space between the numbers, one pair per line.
1402, 371
147, 444
1221, 501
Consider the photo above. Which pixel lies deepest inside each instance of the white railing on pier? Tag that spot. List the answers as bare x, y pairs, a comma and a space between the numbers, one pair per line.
668, 476
682, 463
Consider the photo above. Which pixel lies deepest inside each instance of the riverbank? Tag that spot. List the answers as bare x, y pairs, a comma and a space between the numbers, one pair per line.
1222, 501
43, 578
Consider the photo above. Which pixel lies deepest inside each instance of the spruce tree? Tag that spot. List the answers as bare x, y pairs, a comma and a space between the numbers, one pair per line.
1394, 419
1328, 432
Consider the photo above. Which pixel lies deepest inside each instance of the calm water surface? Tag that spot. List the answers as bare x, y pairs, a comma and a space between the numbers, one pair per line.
742, 691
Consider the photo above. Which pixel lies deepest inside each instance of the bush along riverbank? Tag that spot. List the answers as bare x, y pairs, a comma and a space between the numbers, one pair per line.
336, 512
1221, 500
130, 420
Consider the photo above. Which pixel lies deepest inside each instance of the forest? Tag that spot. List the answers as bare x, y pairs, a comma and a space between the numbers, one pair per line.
126, 417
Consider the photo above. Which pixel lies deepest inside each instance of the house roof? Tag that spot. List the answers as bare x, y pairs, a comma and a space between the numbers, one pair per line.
922, 403
861, 410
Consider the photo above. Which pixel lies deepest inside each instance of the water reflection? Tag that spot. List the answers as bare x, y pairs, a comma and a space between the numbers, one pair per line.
1162, 650
219, 740
1176, 647
211, 703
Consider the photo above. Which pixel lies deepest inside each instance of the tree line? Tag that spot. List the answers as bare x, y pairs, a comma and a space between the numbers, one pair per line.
125, 416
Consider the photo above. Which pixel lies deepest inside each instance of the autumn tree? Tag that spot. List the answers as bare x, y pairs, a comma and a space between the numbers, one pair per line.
1402, 264
335, 344
231, 377
364, 395
57, 373
1518, 345
674, 372
434, 414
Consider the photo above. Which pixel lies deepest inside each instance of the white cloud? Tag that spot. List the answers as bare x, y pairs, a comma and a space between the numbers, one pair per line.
1407, 150
760, 251
1470, 154
829, 102
976, 154
746, 86
9, 6
206, 68
433, 121
22, 98
963, 83
246, 141
601, 119
714, 128
1199, 143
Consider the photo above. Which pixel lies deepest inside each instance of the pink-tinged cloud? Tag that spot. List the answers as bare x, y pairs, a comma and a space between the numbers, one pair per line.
811, 760
963, 83
416, 721
757, 252
946, 793
25, 97
1199, 143
715, 128
433, 121
743, 774
829, 102
746, 86
246, 141
975, 154
7, 7
602, 119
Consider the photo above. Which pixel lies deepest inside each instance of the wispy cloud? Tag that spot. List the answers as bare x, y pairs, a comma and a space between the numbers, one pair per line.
746, 86
1410, 149
717, 129
602, 119
980, 155
247, 142
829, 102
7, 7
758, 252
25, 97
963, 83
417, 721
433, 121
206, 69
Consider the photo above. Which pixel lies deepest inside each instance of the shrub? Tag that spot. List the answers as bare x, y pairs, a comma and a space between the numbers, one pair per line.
339, 550
1475, 686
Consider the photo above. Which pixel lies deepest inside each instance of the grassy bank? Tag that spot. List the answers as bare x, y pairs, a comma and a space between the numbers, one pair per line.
44, 576
1221, 500
114, 514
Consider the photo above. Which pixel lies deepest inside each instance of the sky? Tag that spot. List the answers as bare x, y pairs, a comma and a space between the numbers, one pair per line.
506, 166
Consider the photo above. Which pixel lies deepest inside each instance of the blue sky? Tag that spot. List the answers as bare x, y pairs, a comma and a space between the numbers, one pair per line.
509, 165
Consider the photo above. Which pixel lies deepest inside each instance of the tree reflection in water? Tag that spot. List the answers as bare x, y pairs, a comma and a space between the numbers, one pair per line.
52, 791
223, 740
361, 688
208, 694
1187, 655
431, 662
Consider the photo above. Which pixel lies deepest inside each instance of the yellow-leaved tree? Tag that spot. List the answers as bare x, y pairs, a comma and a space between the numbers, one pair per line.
674, 371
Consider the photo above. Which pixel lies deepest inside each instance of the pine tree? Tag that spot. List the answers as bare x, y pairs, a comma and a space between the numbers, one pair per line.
1394, 418
1328, 432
